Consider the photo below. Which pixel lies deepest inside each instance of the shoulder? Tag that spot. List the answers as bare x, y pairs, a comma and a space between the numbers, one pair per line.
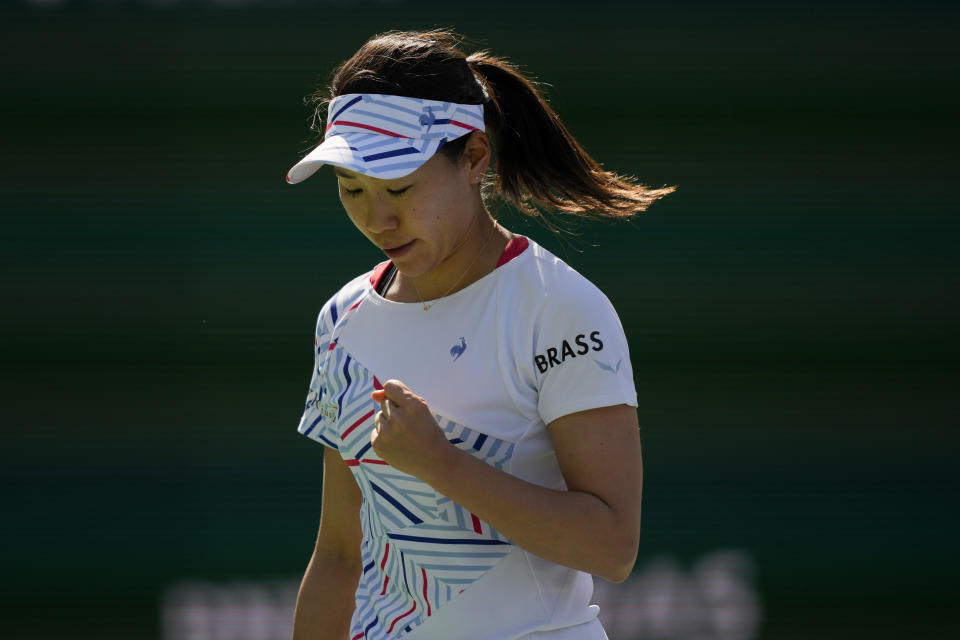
554, 286
346, 298
575, 354
566, 315
555, 310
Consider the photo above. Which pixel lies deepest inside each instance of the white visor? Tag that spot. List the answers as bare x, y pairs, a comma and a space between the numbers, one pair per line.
386, 136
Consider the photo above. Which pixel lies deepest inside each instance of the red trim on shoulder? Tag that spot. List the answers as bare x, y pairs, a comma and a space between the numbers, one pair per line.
515, 247
378, 272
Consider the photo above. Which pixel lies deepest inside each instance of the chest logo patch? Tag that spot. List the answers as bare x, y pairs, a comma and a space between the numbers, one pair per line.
556, 356
457, 350
330, 411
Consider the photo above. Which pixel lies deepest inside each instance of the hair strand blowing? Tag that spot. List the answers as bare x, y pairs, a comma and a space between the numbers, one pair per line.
539, 163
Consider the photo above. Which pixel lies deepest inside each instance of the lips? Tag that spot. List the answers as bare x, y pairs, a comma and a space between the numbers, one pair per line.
398, 250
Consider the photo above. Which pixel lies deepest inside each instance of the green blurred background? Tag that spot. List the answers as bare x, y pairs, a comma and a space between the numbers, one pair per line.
791, 309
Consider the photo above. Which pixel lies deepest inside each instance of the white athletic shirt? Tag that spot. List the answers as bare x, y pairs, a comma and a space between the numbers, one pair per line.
497, 361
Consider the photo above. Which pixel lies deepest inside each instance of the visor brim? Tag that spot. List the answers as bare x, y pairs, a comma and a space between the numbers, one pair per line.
390, 158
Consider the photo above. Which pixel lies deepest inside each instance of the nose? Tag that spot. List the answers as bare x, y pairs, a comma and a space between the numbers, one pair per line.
381, 215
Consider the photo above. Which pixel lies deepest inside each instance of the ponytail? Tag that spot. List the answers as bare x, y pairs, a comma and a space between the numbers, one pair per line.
539, 165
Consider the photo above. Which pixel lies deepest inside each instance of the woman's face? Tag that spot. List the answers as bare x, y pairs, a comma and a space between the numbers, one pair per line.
418, 220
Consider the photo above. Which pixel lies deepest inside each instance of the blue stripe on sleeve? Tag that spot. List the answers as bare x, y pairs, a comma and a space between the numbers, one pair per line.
480, 440
312, 425
328, 443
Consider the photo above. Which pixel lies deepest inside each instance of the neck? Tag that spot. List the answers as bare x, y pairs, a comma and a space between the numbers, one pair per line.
471, 259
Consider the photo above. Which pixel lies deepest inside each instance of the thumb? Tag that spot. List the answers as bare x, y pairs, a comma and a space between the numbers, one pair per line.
379, 395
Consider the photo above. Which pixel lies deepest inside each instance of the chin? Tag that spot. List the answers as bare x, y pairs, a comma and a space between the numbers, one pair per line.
414, 266
411, 268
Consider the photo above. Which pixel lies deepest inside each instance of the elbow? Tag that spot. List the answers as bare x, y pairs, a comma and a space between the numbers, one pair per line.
619, 572
616, 546
617, 577
620, 560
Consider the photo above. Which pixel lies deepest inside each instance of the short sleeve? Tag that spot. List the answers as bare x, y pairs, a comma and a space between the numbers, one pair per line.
581, 356
320, 411
314, 422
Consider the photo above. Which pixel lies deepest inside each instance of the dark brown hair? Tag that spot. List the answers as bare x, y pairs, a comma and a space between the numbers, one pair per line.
538, 164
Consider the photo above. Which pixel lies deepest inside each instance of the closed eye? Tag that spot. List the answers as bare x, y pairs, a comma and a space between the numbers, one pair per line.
393, 192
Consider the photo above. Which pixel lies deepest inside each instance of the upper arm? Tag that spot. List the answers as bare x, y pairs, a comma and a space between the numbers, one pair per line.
340, 532
598, 451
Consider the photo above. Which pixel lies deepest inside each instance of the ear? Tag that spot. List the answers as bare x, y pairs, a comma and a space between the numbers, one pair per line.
477, 153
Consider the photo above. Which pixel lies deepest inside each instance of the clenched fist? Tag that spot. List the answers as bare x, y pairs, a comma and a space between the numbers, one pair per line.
406, 435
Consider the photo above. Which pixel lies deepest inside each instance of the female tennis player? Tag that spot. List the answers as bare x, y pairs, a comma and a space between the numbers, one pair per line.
473, 392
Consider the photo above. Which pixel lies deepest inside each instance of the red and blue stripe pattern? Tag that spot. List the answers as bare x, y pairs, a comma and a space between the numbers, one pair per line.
387, 136
333, 317
419, 549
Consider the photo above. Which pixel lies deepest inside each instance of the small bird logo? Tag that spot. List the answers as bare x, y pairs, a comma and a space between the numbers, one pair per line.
428, 117
457, 350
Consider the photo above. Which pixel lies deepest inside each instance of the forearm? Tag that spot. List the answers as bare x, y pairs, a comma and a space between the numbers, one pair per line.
326, 599
594, 526
572, 528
